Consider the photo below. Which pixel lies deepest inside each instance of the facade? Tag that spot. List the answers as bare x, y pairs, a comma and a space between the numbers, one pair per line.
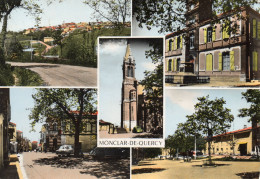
129, 92
238, 142
56, 133
5, 116
204, 50
88, 135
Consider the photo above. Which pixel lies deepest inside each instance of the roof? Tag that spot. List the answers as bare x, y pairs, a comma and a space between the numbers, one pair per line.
12, 123
236, 131
103, 122
128, 51
19, 131
34, 142
77, 112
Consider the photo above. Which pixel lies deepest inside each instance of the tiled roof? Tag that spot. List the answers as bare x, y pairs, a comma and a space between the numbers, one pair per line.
232, 132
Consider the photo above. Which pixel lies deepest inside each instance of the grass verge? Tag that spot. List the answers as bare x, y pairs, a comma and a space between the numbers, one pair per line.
27, 77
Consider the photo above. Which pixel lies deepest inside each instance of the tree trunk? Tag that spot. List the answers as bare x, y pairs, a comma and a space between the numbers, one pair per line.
76, 139
209, 144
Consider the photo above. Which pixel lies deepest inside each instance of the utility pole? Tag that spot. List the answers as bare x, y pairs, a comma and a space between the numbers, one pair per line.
195, 152
31, 48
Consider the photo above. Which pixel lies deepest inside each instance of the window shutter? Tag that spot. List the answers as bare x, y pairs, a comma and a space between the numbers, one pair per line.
220, 62
167, 65
205, 35
209, 62
213, 33
232, 60
258, 29
254, 28
181, 42
175, 63
172, 45
255, 61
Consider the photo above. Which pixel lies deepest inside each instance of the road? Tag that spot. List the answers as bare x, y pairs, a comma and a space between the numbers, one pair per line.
49, 165
62, 75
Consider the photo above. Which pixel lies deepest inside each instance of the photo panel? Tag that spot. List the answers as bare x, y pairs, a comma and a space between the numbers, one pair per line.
130, 92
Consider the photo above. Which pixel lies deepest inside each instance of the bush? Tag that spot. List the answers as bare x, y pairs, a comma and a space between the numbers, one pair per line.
6, 76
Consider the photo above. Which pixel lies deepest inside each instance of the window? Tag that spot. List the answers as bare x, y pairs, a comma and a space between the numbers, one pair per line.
170, 45
179, 42
209, 34
130, 72
227, 61
192, 38
178, 63
55, 128
170, 65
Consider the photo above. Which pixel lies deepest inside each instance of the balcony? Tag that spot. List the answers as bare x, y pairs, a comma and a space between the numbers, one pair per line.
222, 43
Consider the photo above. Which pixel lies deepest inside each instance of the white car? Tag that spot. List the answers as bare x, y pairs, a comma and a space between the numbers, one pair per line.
65, 150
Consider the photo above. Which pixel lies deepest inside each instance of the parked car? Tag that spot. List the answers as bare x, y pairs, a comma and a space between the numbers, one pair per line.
137, 129
65, 150
109, 153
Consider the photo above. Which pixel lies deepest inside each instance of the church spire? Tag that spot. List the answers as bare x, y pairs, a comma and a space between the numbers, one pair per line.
128, 51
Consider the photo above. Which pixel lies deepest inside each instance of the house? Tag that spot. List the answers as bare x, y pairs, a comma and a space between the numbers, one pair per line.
34, 145
5, 117
205, 51
12, 137
239, 142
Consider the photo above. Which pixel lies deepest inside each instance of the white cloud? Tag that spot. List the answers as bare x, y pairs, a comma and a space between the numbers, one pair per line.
112, 48
148, 66
186, 99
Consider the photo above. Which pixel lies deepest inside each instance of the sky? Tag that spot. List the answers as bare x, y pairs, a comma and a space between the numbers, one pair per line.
111, 54
54, 14
180, 103
21, 104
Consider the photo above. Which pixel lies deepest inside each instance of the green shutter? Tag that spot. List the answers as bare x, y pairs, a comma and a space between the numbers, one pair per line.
181, 42
254, 28
225, 33
167, 65
205, 35
175, 63
209, 62
232, 60
213, 33
220, 62
258, 29
255, 56
172, 45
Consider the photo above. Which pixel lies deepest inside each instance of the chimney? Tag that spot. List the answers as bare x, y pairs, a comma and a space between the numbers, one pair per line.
245, 126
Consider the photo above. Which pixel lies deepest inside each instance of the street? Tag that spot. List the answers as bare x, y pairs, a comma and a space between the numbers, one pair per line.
49, 165
62, 75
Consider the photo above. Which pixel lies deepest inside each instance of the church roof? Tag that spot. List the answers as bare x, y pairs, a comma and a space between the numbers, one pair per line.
128, 51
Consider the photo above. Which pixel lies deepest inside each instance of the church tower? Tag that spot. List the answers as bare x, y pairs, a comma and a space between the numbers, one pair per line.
129, 92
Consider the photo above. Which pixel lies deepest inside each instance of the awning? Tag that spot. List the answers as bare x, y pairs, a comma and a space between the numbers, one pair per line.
242, 143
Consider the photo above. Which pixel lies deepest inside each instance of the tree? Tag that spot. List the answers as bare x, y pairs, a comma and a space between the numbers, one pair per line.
153, 82
115, 11
58, 104
252, 96
58, 37
169, 15
210, 118
7, 6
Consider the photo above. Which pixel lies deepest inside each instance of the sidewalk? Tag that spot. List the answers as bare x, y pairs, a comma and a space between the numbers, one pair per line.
13, 171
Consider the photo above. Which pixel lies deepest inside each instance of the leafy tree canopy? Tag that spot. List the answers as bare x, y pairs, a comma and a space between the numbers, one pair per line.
252, 96
169, 15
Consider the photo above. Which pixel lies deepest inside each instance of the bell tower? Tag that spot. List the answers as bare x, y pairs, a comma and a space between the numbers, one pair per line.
129, 92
